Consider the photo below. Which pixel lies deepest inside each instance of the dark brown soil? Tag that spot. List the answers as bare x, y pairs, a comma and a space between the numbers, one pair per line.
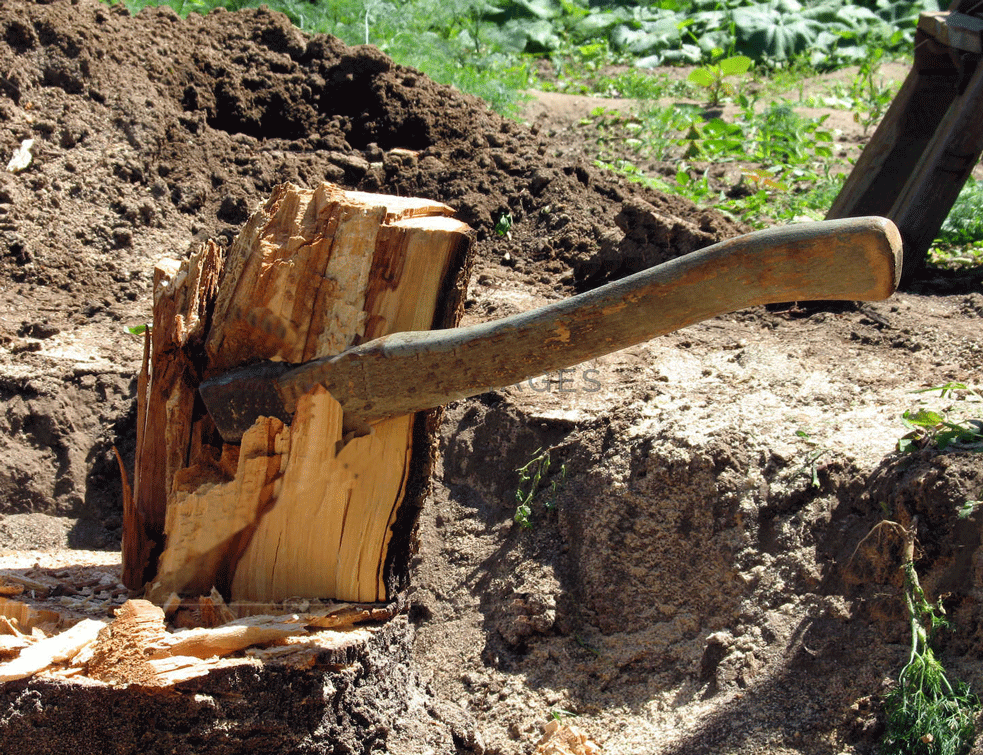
698, 586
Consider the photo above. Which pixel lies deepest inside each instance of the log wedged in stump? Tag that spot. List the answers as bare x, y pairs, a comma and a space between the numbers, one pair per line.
306, 509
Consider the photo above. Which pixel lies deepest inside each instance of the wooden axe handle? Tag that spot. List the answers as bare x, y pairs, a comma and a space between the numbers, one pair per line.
854, 259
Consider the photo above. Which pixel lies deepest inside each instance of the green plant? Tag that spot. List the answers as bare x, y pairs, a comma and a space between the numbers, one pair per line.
714, 139
968, 509
954, 390
810, 466
557, 714
639, 84
503, 226
927, 714
531, 476
713, 76
871, 96
964, 225
931, 428
928, 427
780, 135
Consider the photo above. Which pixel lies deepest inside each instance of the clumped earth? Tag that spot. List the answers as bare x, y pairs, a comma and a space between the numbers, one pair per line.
702, 580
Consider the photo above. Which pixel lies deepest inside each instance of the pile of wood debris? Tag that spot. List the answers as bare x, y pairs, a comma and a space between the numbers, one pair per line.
81, 621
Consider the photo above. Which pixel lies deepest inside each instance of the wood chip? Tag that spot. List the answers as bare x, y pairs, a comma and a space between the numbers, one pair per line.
565, 740
229, 638
55, 649
9, 584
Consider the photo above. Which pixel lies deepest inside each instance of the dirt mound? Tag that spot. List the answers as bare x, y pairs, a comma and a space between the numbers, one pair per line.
150, 132
702, 583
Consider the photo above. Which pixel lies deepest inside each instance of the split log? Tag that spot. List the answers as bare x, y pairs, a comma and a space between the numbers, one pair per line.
314, 509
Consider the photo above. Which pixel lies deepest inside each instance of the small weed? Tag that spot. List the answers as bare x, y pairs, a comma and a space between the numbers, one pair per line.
927, 714
558, 714
871, 96
137, 330
810, 468
639, 85
968, 509
586, 646
713, 77
954, 390
503, 226
780, 135
531, 476
928, 427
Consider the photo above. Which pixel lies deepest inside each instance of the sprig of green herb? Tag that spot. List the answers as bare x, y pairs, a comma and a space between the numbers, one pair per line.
531, 476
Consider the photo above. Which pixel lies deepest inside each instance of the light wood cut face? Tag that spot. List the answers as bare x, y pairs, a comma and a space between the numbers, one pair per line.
300, 510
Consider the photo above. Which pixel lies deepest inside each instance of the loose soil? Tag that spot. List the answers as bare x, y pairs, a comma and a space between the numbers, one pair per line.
702, 580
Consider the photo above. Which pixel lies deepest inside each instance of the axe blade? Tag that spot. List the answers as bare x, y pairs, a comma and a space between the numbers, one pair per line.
235, 399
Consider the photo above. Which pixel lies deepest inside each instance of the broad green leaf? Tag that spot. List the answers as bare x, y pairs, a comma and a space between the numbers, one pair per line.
764, 31
682, 55
924, 418
596, 24
544, 9
701, 77
542, 36
735, 66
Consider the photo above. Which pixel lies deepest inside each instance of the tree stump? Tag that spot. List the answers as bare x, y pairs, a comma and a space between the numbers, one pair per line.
314, 509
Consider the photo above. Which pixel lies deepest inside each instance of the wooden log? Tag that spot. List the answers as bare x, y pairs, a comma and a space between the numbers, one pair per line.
955, 30
183, 295
315, 509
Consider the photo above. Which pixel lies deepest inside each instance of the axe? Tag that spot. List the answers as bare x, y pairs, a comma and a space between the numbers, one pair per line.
853, 259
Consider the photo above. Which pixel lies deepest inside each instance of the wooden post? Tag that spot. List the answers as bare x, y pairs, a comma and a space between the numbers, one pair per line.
305, 510
929, 140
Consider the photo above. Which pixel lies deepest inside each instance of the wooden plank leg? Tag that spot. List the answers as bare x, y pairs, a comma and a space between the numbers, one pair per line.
908, 127
921, 209
307, 510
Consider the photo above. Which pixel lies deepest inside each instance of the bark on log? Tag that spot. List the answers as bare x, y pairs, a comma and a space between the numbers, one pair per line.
311, 509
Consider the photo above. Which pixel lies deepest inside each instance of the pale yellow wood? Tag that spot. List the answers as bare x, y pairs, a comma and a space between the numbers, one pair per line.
419, 245
305, 264
333, 510
303, 511
227, 639
29, 617
203, 516
55, 649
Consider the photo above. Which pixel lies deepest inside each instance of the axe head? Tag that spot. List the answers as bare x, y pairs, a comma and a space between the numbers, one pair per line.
236, 398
